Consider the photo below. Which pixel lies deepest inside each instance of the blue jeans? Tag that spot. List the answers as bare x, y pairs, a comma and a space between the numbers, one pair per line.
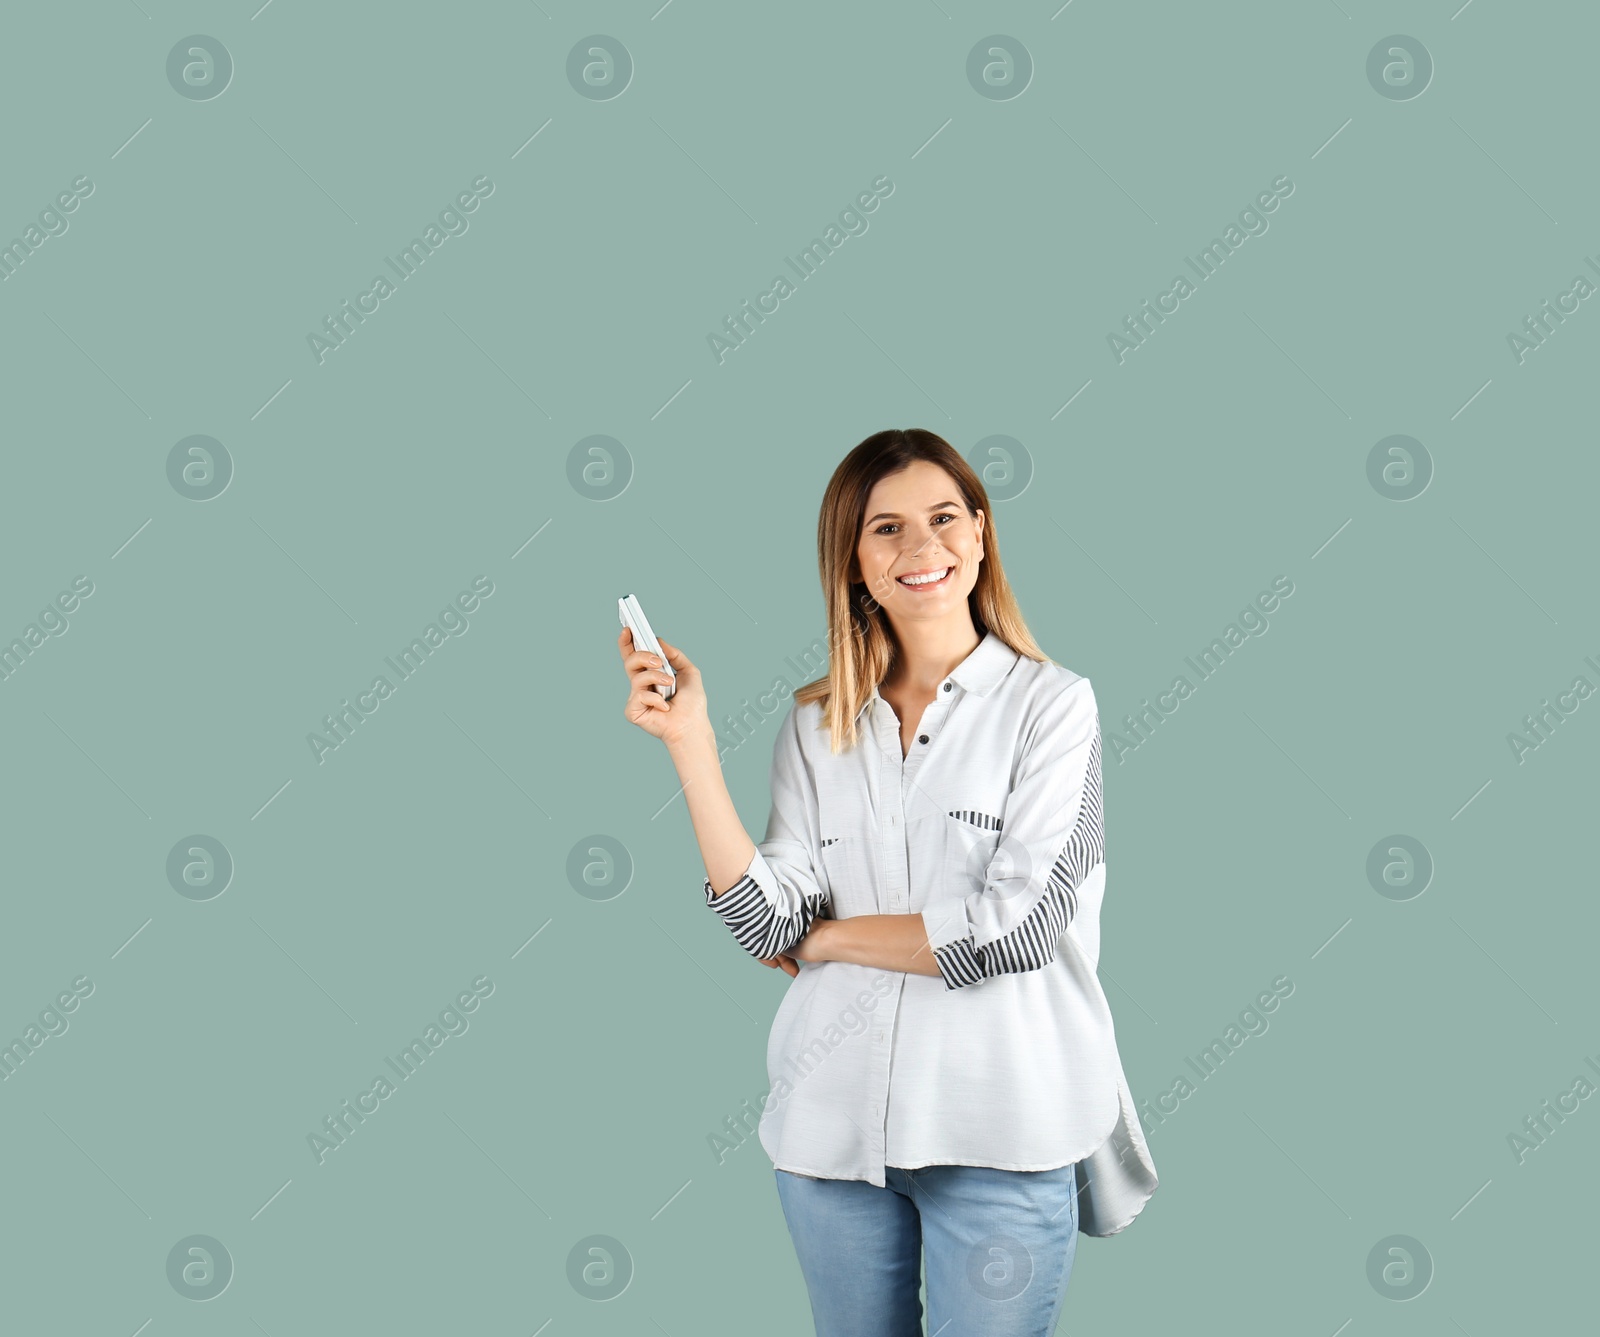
999, 1246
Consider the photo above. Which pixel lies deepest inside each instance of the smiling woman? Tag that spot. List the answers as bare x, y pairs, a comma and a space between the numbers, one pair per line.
937, 815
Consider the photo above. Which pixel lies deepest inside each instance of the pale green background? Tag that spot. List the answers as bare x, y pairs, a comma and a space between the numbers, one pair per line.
430, 448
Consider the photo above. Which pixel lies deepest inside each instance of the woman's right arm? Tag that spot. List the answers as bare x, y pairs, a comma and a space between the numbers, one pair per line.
738, 878
725, 845
684, 725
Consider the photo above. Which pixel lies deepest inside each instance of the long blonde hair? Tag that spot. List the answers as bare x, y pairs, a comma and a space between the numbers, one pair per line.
861, 642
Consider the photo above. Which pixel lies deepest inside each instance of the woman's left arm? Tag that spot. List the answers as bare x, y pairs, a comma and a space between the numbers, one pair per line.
885, 942
1053, 839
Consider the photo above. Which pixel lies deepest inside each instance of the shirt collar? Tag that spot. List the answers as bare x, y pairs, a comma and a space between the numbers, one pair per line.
979, 673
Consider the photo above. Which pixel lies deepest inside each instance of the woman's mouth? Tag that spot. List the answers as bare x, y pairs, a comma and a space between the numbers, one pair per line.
926, 581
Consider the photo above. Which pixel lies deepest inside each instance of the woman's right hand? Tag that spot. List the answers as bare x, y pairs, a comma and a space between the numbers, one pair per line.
670, 721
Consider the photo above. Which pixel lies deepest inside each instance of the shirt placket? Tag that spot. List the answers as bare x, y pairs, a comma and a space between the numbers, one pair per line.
894, 896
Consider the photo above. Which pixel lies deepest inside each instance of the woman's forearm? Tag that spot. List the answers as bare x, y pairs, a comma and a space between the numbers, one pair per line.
884, 942
725, 845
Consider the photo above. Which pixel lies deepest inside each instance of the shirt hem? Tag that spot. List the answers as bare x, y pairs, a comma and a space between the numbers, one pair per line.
924, 1165
987, 1165
818, 1174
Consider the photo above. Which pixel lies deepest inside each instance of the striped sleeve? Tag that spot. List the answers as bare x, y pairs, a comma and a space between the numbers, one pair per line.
772, 905
1054, 837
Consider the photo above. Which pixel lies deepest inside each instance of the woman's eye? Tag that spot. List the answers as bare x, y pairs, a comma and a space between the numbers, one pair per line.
944, 515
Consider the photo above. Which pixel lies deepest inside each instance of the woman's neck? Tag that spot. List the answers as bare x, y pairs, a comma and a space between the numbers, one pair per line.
925, 656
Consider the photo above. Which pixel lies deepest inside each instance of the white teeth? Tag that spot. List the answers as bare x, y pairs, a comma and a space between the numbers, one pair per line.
925, 580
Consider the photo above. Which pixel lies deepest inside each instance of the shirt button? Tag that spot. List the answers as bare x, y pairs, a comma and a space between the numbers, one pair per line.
947, 687
923, 739
878, 1035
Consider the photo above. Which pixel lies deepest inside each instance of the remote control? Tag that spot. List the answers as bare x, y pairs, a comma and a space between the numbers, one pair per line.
644, 639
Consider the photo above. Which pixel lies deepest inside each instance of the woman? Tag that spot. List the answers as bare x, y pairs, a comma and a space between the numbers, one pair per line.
944, 1070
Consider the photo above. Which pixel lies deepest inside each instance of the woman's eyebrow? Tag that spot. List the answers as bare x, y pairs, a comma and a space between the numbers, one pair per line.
894, 515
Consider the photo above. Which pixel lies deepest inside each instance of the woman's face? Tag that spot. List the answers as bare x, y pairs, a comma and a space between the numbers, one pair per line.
917, 525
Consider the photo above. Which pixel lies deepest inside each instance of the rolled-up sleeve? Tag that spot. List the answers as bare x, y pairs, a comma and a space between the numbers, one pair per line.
771, 907
1053, 837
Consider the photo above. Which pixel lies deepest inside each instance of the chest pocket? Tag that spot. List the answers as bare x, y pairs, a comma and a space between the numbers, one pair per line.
967, 854
850, 862
971, 842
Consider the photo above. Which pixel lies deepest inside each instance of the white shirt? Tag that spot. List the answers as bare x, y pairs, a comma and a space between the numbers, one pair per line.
991, 828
